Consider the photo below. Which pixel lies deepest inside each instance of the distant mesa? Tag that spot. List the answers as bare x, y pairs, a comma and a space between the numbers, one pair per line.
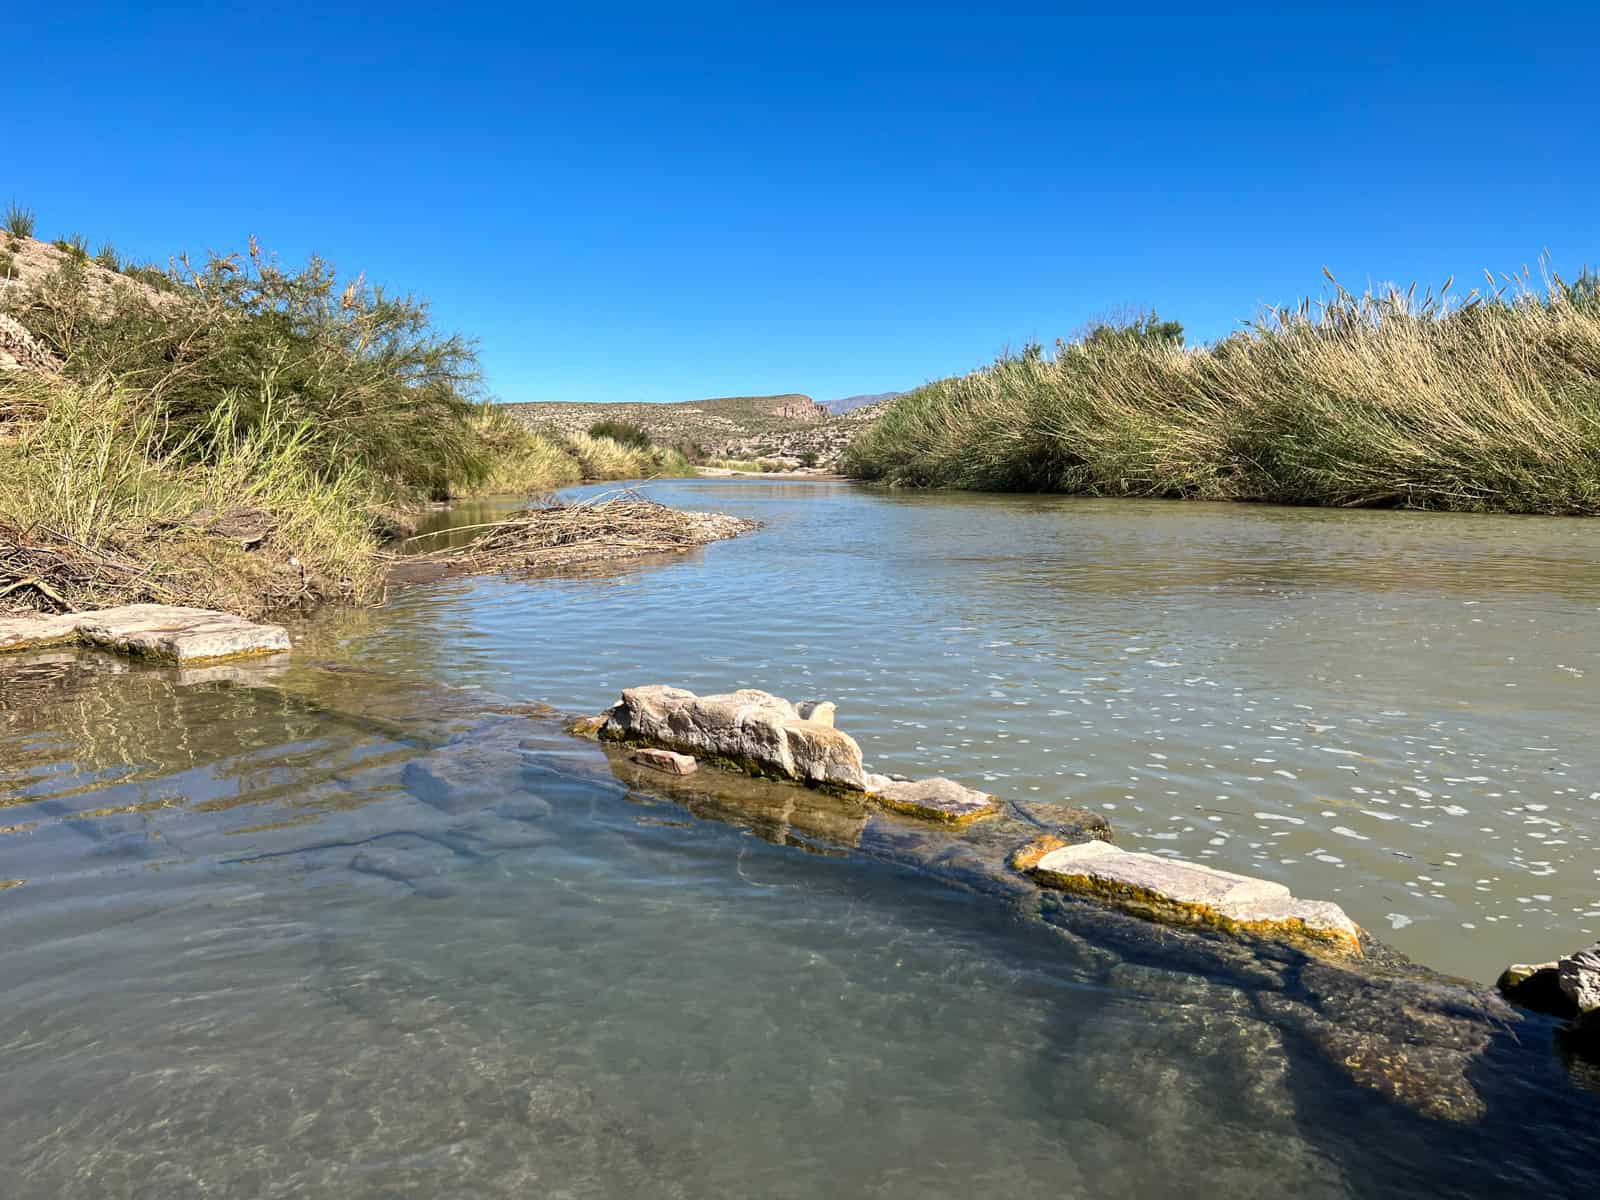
851, 403
787, 426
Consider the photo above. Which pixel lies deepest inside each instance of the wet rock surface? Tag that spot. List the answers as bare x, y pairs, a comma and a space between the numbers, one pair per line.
166, 632
669, 761
942, 800
1189, 893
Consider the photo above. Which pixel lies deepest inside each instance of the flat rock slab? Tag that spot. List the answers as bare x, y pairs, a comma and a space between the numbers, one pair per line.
1165, 889
669, 761
162, 631
942, 800
29, 633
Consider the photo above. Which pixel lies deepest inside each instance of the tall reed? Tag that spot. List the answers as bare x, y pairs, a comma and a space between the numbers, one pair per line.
1382, 399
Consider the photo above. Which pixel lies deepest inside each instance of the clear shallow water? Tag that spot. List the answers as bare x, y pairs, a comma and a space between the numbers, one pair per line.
1393, 710
339, 928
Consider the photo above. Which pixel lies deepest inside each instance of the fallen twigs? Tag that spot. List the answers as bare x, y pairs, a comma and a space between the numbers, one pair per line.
615, 525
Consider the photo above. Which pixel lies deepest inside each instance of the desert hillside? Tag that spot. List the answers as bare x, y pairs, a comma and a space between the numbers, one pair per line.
786, 426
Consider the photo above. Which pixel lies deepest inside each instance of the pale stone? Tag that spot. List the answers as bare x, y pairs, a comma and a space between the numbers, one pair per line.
1187, 893
26, 633
820, 711
669, 761
822, 754
183, 635
177, 634
752, 729
937, 799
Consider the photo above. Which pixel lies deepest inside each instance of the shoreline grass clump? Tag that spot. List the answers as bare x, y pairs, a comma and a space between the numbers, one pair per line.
240, 435
1378, 400
247, 436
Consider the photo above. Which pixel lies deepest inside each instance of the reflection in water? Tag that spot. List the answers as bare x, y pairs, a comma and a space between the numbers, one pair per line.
354, 925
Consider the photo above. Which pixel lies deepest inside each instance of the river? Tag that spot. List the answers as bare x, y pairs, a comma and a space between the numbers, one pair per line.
256, 945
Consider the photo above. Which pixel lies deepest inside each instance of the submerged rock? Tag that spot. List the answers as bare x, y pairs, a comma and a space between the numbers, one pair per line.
1189, 894
669, 761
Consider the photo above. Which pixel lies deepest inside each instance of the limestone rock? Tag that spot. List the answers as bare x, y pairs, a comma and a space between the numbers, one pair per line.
820, 711
669, 761
1165, 889
177, 634
1026, 857
753, 730
27, 633
588, 727
21, 351
181, 635
937, 799
821, 754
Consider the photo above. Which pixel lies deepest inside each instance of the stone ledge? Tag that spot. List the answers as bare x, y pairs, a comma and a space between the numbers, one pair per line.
938, 799
1165, 889
166, 632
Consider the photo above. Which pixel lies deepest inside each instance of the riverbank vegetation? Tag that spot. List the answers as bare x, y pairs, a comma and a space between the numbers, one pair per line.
243, 436
1383, 399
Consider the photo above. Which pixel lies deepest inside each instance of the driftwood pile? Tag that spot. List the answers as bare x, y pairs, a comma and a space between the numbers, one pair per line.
611, 527
45, 570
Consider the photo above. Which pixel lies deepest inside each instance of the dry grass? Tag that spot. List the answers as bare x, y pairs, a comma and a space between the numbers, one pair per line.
1376, 400
94, 511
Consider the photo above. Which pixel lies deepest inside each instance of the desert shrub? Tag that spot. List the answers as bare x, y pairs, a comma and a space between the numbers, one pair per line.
373, 384
626, 433
19, 221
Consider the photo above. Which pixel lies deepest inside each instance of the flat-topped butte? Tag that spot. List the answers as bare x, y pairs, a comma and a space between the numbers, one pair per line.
165, 632
760, 734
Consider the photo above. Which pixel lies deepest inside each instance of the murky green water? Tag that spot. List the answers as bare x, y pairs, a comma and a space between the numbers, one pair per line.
342, 928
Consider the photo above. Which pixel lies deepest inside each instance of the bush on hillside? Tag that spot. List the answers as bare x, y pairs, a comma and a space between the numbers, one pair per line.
624, 432
365, 376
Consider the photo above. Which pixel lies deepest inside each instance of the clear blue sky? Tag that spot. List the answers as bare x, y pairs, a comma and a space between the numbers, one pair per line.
672, 201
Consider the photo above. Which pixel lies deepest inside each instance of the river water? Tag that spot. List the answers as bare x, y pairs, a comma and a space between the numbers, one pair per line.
365, 924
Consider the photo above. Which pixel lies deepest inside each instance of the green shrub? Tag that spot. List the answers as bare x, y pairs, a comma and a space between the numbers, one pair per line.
375, 387
19, 221
106, 257
626, 433
75, 246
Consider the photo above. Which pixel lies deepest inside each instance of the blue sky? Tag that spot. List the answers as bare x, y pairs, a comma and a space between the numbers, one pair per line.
667, 202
